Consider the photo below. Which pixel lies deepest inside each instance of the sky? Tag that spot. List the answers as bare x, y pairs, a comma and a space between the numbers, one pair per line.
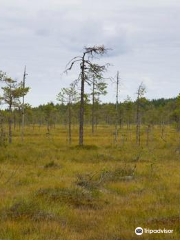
44, 35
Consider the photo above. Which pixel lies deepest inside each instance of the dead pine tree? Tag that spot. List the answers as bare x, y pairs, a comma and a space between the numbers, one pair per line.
93, 106
140, 94
86, 65
23, 102
117, 102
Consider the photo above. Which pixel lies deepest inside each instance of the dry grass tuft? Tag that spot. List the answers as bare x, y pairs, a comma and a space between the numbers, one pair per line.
75, 197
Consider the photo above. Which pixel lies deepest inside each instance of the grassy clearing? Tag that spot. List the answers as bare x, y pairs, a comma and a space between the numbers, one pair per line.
50, 190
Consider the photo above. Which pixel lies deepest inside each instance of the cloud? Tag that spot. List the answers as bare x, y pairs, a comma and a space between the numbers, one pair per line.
45, 35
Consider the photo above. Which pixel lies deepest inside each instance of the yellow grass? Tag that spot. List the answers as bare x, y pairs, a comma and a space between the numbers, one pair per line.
52, 191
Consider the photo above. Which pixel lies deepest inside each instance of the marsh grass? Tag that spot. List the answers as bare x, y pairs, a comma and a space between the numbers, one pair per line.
53, 191
51, 164
26, 209
72, 196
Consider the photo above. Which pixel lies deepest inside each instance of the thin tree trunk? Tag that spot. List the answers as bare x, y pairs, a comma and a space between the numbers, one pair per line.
138, 140
117, 96
23, 114
1, 129
81, 120
69, 122
10, 123
93, 101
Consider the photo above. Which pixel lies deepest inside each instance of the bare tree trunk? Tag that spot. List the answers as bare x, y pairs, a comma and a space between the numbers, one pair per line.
117, 96
81, 118
10, 123
93, 101
23, 115
138, 137
140, 94
69, 107
2, 140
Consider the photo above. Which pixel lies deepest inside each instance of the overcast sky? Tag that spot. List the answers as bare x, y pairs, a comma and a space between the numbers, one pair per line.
44, 35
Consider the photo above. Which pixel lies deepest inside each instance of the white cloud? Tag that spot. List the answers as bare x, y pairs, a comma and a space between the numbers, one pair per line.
45, 35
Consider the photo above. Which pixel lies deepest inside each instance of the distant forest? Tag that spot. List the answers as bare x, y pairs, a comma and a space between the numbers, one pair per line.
156, 111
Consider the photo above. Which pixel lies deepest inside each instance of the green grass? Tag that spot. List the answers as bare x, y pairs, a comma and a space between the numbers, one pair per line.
52, 191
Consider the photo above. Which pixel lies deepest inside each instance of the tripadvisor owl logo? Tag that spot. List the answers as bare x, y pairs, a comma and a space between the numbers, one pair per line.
139, 231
